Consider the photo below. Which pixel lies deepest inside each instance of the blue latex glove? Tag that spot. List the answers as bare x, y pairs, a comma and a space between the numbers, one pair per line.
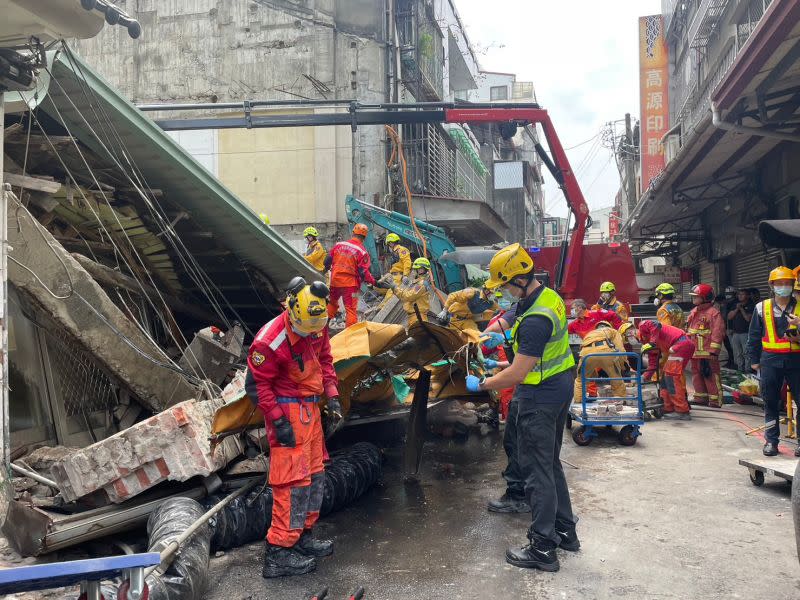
490, 363
473, 383
495, 340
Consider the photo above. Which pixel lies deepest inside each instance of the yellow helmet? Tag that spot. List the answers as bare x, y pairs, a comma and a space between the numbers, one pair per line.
307, 306
264, 218
421, 263
781, 273
665, 288
508, 263
310, 231
623, 329
608, 286
392, 237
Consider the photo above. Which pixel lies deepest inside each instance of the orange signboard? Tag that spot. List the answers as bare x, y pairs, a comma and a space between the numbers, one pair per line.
654, 99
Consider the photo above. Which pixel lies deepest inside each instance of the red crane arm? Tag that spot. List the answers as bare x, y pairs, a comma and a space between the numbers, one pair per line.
562, 172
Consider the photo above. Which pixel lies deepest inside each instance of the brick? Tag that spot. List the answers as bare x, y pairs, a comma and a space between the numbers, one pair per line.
172, 445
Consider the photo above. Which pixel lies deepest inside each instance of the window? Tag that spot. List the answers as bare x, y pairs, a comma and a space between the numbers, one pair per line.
498, 92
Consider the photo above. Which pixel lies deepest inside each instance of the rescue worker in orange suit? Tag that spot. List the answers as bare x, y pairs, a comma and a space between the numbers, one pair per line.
608, 301
315, 253
706, 328
413, 293
602, 340
773, 347
289, 367
463, 309
349, 264
674, 344
669, 312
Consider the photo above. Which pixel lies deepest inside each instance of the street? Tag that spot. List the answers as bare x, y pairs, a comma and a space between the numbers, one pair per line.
673, 517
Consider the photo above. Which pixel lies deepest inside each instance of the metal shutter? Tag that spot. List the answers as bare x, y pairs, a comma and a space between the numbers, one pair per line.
751, 269
708, 273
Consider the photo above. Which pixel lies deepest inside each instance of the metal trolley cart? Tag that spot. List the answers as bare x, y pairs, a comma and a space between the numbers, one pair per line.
627, 412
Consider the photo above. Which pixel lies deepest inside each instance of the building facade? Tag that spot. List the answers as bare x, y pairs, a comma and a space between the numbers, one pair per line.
732, 151
209, 51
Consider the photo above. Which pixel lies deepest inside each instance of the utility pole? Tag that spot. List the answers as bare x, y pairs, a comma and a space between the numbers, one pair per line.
630, 171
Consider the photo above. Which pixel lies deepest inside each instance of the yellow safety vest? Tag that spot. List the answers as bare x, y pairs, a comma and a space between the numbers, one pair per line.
771, 342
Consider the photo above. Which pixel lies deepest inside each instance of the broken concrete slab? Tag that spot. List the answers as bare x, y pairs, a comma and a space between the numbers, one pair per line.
172, 445
76, 302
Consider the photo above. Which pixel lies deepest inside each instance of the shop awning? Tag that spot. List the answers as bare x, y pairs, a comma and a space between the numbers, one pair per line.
782, 233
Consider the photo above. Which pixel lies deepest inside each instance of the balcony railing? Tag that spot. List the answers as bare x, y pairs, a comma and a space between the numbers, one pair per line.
437, 168
421, 50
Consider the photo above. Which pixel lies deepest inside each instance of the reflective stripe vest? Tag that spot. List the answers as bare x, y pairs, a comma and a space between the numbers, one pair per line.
771, 342
557, 356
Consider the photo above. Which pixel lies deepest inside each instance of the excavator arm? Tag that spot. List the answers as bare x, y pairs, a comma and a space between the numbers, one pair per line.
447, 275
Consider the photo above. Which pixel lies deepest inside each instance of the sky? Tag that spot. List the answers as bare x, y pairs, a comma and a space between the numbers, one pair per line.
582, 56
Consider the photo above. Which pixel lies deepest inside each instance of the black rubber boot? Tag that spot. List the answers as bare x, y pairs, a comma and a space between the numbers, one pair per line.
308, 545
770, 449
282, 562
508, 503
797, 451
569, 539
536, 555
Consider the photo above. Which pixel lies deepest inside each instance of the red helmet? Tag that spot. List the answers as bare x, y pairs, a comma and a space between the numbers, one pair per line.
647, 329
705, 291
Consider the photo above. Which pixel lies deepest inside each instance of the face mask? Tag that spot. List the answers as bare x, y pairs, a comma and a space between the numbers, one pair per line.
508, 296
784, 291
605, 296
503, 303
657, 301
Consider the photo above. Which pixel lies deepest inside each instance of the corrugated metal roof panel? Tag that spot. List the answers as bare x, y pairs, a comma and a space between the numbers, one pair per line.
79, 95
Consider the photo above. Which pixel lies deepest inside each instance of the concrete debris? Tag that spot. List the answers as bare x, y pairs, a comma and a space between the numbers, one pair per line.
42, 459
172, 445
214, 353
76, 302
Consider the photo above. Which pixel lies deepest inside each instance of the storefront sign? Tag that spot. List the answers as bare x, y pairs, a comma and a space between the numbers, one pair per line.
654, 89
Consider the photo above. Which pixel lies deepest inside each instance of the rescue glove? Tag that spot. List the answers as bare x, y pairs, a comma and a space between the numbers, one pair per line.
490, 363
284, 432
444, 317
495, 340
333, 415
474, 383
705, 368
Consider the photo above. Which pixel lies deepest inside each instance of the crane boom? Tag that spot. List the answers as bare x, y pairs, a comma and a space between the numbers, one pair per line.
521, 114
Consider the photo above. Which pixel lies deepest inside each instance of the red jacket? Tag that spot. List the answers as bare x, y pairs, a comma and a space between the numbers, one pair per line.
350, 264
663, 338
274, 363
591, 318
706, 328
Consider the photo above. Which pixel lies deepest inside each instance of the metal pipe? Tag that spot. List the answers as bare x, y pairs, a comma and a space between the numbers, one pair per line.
174, 545
240, 105
719, 123
35, 476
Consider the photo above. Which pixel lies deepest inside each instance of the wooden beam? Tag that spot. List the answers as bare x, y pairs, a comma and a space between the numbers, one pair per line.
109, 276
37, 184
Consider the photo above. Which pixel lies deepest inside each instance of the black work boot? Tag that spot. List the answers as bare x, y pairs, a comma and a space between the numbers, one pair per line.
770, 449
308, 545
509, 503
569, 539
797, 451
538, 554
281, 562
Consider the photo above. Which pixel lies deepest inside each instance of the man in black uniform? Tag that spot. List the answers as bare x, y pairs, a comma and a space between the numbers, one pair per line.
543, 370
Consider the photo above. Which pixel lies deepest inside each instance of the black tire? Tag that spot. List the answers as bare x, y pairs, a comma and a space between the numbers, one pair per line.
627, 435
757, 478
579, 436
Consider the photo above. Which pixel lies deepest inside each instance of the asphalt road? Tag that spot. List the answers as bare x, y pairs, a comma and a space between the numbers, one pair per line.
673, 517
